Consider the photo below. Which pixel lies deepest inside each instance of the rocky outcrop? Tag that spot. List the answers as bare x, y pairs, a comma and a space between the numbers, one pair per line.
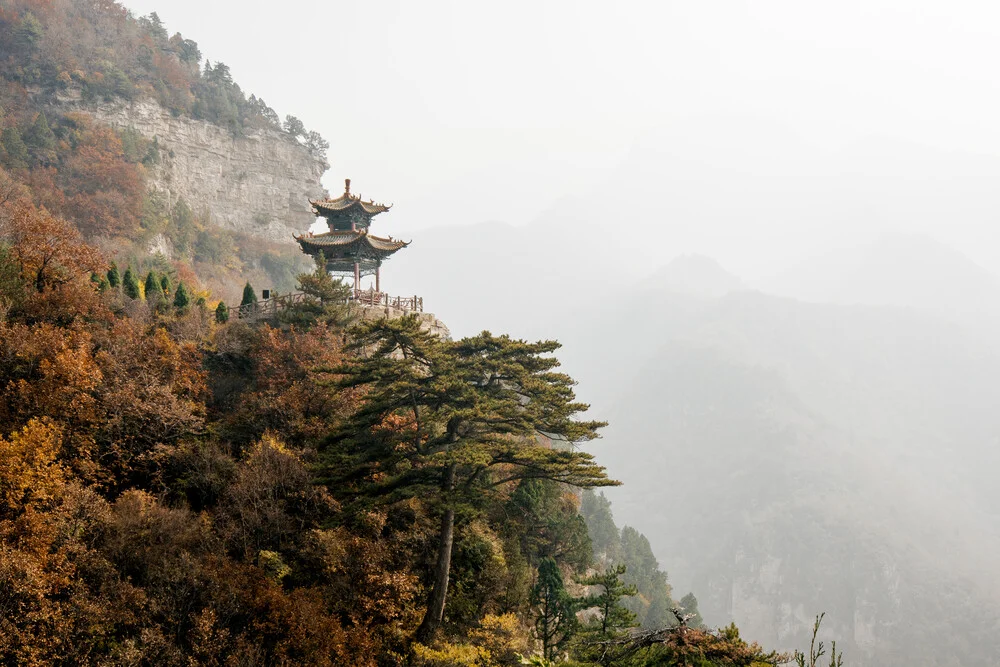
428, 322
259, 184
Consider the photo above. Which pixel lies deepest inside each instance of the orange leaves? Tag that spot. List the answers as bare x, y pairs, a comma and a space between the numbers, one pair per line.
49, 251
104, 190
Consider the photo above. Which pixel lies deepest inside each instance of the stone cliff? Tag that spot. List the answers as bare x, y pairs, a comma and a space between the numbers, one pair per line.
259, 184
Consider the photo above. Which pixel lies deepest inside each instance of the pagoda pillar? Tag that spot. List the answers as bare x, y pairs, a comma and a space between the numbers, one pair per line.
378, 287
357, 279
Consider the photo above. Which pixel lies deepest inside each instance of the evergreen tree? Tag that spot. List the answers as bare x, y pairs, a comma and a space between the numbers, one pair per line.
614, 619
474, 407
554, 610
222, 313
249, 296
181, 299
596, 511
15, 149
689, 607
114, 278
165, 284
130, 284
325, 299
152, 287
41, 140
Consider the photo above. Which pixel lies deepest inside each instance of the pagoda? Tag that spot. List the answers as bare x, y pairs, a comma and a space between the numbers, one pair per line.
347, 246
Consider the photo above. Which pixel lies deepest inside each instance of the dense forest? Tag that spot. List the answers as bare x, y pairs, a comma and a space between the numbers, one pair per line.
178, 486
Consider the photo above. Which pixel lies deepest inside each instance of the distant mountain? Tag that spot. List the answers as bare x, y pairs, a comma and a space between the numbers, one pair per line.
788, 458
696, 275
907, 270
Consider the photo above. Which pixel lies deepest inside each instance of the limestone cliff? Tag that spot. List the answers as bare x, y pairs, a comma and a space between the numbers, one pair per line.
259, 184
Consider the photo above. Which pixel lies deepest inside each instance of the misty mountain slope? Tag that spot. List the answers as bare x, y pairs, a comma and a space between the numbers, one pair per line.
787, 458
696, 275
910, 270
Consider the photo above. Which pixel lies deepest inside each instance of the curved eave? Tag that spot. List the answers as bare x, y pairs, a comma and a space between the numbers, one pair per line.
346, 203
350, 242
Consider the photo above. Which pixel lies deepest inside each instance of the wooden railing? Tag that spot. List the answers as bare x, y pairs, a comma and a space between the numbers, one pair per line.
372, 298
269, 308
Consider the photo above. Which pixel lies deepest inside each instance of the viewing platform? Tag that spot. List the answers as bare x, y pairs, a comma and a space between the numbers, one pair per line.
271, 306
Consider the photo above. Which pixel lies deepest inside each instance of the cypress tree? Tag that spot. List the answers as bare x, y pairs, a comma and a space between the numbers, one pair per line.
181, 299
114, 278
222, 313
249, 296
130, 284
152, 286
165, 284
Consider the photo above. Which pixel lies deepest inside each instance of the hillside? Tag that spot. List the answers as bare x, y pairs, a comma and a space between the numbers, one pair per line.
159, 158
330, 485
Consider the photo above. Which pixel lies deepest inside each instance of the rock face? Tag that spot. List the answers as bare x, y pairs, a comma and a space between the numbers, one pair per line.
259, 184
428, 322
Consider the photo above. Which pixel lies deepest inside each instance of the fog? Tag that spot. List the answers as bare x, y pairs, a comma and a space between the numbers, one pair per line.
766, 233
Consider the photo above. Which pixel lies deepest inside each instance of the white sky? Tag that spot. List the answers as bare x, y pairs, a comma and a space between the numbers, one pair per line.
449, 108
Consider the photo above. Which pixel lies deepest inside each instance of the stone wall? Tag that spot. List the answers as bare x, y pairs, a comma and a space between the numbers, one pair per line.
259, 184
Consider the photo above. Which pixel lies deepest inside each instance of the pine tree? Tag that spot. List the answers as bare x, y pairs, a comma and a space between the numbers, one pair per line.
181, 299
222, 313
475, 406
249, 296
325, 299
165, 284
114, 278
130, 284
614, 618
554, 610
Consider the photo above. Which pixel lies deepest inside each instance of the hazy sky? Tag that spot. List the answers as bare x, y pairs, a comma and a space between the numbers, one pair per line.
461, 111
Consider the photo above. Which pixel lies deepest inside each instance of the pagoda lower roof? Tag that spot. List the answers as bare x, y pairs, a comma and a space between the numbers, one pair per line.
353, 242
345, 202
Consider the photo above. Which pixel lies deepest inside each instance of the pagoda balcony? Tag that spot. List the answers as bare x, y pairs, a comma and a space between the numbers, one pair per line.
372, 298
270, 307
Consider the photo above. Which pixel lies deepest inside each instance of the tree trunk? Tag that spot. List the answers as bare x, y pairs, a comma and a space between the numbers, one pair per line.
442, 571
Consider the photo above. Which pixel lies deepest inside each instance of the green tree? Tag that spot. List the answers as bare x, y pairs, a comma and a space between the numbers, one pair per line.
325, 299
554, 610
249, 296
468, 412
614, 619
595, 509
114, 278
545, 520
689, 607
130, 284
152, 287
222, 313
16, 151
165, 284
41, 140
181, 299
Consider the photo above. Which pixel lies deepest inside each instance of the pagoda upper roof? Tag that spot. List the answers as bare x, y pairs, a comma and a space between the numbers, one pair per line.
347, 201
344, 240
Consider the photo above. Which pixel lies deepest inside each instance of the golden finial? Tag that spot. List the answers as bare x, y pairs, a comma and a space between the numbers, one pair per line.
347, 186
